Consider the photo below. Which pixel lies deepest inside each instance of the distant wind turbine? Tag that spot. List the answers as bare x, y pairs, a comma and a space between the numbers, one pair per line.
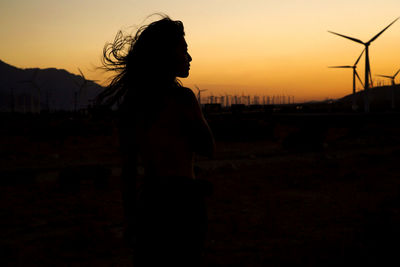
199, 93
227, 99
81, 86
355, 74
393, 85
32, 81
222, 99
390, 77
367, 61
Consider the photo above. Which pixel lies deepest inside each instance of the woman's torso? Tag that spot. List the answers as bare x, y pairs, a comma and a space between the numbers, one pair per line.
163, 141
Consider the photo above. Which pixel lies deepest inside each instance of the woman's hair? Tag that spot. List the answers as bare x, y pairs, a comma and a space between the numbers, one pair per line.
145, 64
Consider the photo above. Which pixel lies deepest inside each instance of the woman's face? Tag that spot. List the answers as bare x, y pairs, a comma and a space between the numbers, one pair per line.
182, 59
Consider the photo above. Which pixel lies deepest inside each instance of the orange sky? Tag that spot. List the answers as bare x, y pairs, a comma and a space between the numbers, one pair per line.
262, 47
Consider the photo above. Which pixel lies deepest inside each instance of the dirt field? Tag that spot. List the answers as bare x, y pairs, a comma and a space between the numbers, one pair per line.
289, 190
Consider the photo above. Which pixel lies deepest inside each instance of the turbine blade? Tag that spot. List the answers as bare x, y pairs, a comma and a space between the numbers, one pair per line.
376, 36
370, 77
83, 76
394, 76
385, 76
359, 78
368, 70
355, 64
351, 38
343, 67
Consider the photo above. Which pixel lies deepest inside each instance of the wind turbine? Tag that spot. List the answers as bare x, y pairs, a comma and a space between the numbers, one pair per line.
32, 81
227, 103
199, 93
211, 99
390, 77
355, 74
81, 86
367, 62
393, 85
222, 100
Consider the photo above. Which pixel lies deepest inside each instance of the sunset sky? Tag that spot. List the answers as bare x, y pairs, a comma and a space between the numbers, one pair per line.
263, 47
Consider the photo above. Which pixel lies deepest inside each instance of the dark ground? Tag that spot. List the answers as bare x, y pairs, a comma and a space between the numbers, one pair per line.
289, 190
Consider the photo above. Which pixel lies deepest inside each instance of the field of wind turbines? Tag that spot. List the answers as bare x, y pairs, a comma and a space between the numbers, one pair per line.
295, 184
367, 70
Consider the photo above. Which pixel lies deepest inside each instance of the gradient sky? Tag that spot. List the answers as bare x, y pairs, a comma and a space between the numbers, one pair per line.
264, 47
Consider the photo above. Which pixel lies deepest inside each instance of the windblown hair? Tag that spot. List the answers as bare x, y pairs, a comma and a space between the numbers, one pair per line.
145, 64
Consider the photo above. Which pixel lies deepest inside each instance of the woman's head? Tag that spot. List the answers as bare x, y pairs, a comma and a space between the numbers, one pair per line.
153, 58
157, 48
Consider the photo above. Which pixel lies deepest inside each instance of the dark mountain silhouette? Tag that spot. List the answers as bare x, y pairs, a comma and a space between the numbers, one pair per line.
59, 89
380, 97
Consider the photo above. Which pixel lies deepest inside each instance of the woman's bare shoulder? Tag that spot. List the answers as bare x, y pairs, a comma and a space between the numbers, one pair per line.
187, 96
185, 92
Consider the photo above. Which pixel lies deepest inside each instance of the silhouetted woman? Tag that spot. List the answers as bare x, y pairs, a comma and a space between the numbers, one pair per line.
161, 128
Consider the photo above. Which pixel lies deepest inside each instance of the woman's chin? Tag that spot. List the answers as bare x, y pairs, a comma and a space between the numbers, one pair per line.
183, 75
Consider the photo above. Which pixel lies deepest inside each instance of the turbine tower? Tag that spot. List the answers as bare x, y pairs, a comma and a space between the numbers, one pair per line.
355, 74
367, 62
393, 85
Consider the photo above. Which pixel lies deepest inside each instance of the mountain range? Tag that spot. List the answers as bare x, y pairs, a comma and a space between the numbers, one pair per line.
51, 89
59, 90
380, 98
